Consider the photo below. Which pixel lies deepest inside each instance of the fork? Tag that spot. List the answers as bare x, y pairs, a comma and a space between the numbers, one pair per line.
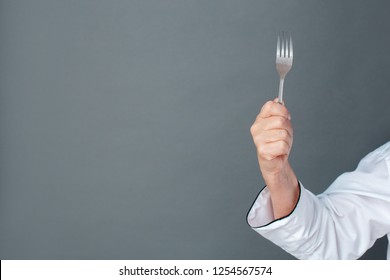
284, 59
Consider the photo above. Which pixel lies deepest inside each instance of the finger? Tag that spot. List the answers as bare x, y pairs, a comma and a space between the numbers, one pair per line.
276, 135
274, 108
277, 100
277, 122
272, 136
262, 126
273, 150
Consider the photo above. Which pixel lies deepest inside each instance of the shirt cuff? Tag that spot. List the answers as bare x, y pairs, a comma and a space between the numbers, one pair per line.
261, 214
291, 232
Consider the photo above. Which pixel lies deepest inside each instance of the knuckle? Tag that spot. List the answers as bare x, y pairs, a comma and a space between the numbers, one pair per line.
255, 130
268, 157
257, 141
291, 132
280, 122
284, 147
263, 151
267, 106
283, 134
269, 103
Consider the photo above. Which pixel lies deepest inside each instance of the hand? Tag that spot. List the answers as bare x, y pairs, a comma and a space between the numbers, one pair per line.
273, 136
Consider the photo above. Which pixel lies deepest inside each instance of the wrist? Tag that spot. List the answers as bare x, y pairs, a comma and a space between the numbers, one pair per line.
283, 179
284, 190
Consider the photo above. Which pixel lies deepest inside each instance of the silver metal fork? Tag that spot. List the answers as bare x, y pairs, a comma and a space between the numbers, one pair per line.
284, 59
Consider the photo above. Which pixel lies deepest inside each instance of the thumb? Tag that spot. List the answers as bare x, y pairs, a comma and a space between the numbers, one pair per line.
277, 100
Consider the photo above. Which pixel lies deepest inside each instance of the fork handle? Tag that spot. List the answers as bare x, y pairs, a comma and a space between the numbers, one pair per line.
280, 98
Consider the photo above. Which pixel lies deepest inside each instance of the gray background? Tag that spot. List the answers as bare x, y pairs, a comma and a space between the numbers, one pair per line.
124, 125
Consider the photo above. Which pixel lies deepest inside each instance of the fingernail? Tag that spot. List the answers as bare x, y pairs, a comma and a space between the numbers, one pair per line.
289, 117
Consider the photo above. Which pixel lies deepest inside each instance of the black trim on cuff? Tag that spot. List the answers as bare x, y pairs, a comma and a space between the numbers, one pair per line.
299, 197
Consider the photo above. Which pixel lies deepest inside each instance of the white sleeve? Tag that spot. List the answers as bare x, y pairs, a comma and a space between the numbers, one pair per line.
341, 223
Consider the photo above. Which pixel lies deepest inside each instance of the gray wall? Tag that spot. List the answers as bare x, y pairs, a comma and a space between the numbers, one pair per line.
124, 125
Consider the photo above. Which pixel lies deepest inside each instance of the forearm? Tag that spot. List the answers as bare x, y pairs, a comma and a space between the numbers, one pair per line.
284, 191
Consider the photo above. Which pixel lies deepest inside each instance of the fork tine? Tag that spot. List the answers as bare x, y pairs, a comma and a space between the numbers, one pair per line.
284, 59
284, 46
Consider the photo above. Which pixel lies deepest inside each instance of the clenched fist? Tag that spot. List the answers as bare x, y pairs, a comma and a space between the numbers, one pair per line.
273, 137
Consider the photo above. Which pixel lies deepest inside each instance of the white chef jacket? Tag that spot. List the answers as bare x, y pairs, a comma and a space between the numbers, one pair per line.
342, 222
